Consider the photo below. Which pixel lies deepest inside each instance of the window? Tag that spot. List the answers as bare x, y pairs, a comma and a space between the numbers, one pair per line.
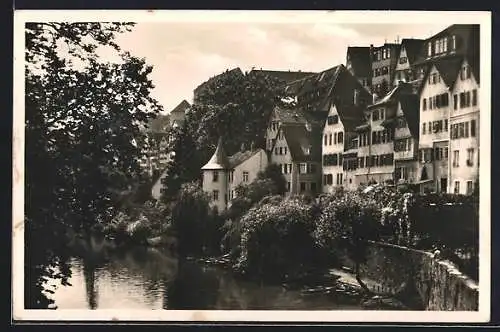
335, 138
313, 186
445, 124
424, 104
333, 119
288, 186
455, 101
215, 177
302, 186
312, 168
470, 187
423, 128
341, 138
245, 176
281, 150
330, 139
457, 187
276, 151
467, 99
403, 60
473, 128
326, 139
470, 157
453, 42
215, 195
474, 97
462, 100
375, 115
231, 176
455, 158
429, 49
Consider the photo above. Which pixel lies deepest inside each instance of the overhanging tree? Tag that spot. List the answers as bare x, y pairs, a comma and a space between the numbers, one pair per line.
83, 118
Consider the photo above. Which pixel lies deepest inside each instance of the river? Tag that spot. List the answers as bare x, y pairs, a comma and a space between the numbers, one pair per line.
145, 278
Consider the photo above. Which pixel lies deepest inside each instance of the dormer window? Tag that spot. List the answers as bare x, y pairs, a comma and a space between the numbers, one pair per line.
307, 150
429, 49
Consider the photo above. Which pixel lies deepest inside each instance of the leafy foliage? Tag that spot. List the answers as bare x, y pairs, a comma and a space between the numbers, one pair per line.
190, 218
276, 239
83, 118
183, 167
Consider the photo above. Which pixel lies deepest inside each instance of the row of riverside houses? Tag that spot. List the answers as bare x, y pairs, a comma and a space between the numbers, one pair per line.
403, 112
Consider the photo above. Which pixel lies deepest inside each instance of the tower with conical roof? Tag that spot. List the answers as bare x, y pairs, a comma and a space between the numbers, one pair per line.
215, 177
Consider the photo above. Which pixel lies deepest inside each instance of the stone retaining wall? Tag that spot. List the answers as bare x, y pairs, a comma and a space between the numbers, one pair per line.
435, 284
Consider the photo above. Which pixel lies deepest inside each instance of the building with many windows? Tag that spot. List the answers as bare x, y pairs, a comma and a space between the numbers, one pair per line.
384, 59
464, 130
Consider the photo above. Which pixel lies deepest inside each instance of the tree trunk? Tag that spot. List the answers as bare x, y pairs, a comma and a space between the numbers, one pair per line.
360, 282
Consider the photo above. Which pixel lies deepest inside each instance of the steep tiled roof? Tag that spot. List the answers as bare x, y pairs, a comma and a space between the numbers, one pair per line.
182, 107
350, 115
360, 60
219, 159
239, 157
299, 139
411, 110
290, 116
287, 76
413, 47
448, 68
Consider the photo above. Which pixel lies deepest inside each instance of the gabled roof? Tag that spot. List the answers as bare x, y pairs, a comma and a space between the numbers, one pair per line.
351, 116
316, 92
298, 139
360, 59
239, 157
291, 116
286, 76
410, 105
182, 107
448, 68
413, 47
219, 159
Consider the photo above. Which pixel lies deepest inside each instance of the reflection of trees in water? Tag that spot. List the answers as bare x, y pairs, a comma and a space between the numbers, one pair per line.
91, 289
194, 288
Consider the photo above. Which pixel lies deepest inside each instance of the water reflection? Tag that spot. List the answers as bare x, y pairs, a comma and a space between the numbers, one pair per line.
151, 279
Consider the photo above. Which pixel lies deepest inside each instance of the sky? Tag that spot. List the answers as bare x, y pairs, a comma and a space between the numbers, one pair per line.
185, 54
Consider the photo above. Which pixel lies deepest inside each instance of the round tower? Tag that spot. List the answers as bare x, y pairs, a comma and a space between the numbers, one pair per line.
215, 180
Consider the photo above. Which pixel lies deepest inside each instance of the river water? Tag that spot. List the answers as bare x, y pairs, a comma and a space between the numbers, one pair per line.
143, 278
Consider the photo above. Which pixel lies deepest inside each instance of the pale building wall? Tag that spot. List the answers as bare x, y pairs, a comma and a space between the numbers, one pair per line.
406, 158
221, 185
437, 170
280, 155
156, 190
253, 165
272, 130
465, 172
401, 68
380, 173
331, 145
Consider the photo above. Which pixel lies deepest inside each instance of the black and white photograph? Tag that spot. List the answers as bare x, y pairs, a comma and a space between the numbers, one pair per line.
285, 166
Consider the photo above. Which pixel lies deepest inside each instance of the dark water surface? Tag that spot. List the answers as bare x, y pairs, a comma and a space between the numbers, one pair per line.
150, 279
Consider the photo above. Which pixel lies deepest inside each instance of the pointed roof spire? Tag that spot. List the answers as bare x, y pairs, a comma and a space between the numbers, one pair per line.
219, 159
